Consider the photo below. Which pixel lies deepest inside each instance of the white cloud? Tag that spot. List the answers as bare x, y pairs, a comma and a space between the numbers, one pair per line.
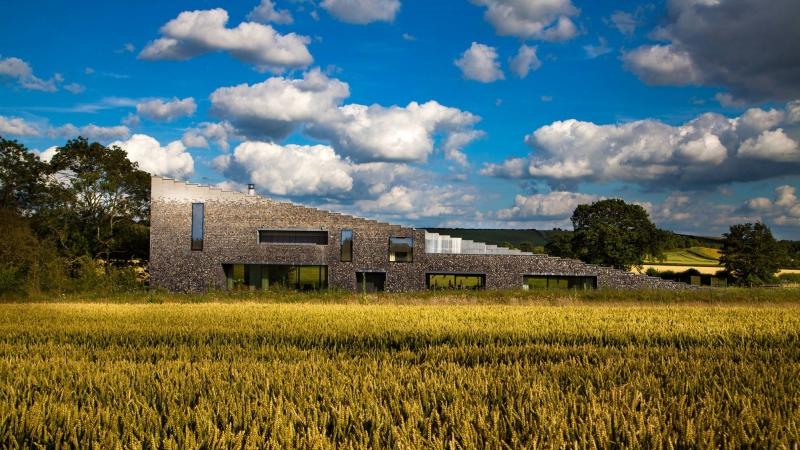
171, 160
75, 88
91, 131
479, 62
131, 120
17, 127
546, 20
291, 169
593, 51
727, 100
746, 46
662, 65
219, 132
362, 11
456, 141
377, 133
19, 70
194, 33
707, 151
274, 108
420, 202
46, 155
266, 12
409, 37
126, 48
772, 146
793, 112
553, 205
159, 111
783, 210
626, 23
525, 61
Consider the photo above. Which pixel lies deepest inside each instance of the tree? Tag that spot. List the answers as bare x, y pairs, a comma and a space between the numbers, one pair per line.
506, 244
751, 254
560, 245
99, 194
615, 234
22, 176
527, 246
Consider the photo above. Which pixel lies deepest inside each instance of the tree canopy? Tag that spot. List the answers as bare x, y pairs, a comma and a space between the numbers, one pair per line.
615, 234
751, 254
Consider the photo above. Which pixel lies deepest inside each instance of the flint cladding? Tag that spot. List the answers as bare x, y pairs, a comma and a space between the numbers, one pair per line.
232, 221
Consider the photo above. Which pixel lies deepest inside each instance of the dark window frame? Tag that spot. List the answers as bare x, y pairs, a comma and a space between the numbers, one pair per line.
292, 237
346, 256
408, 256
198, 229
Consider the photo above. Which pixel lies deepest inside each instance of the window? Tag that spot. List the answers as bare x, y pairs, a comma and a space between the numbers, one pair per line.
265, 276
438, 281
298, 237
347, 246
580, 282
197, 226
401, 249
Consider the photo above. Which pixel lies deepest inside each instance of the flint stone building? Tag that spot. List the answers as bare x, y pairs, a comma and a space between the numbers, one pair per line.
203, 237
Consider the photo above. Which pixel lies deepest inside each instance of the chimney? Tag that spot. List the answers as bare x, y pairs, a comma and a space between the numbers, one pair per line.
251, 189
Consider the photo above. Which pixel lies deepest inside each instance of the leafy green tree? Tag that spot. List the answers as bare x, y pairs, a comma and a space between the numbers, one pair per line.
616, 234
751, 254
560, 245
527, 246
23, 176
99, 196
506, 244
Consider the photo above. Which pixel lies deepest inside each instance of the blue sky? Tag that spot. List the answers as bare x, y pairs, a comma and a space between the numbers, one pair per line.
480, 113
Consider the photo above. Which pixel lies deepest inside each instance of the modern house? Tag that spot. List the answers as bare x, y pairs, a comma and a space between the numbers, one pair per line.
203, 237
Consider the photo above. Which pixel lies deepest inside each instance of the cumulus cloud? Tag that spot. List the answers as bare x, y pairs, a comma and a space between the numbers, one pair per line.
91, 131
525, 61
291, 169
194, 33
220, 133
456, 141
425, 201
553, 205
75, 88
21, 72
747, 46
545, 20
171, 160
782, 210
377, 133
16, 126
479, 62
274, 108
706, 151
159, 111
266, 12
362, 11
593, 51
662, 65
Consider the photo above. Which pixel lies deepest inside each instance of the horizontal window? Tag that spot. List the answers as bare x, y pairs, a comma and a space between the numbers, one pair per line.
293, 237
266, 276
559, 282
456, 280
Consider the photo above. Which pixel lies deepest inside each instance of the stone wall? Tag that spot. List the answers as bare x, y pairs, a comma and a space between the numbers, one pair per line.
232, 221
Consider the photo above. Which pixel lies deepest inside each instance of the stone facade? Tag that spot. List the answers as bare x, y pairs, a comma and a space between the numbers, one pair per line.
230, 235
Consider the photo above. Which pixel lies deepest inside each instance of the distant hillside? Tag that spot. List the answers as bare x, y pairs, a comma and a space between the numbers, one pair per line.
537, 237
498, 236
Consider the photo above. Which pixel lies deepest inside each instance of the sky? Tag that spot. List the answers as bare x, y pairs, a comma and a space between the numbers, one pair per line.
447, 113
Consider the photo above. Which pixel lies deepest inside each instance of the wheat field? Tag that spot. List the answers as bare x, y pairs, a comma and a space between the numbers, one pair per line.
250, 375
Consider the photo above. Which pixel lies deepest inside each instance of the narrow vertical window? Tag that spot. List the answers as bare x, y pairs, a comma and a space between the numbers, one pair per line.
197, 226
347, 245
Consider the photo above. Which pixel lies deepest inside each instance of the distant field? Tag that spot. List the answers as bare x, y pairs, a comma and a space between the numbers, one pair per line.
250, 375
695, 256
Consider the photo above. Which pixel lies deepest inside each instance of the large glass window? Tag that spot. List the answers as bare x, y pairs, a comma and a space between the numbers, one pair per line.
401, 249
197, 226
347, 245
579, 282
438, 281
265, 276
302, 237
